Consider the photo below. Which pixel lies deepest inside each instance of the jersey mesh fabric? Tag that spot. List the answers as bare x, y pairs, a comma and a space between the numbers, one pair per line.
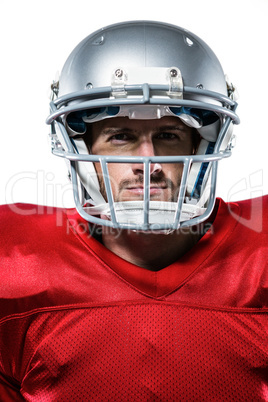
153, 351
78, 323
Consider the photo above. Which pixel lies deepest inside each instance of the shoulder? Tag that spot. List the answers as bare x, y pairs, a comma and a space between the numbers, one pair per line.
28, 229
250, 215
236, 251
30, 234
11, 213
24, 222
39, 253
246, 242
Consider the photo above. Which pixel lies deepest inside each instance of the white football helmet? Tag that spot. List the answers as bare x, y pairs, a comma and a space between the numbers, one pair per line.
143, 70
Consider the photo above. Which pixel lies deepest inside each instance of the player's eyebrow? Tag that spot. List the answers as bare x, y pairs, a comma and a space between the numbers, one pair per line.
118, 130
170, 127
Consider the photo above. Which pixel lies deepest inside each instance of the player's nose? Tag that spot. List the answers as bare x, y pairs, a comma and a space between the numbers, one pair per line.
146, 148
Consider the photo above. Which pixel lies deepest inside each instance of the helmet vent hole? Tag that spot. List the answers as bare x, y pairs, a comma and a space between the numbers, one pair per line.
98, 41
188, 41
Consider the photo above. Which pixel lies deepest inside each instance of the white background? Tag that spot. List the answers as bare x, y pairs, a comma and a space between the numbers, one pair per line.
37, 37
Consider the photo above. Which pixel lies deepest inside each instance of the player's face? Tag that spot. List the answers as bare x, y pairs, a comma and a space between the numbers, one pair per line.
122, 136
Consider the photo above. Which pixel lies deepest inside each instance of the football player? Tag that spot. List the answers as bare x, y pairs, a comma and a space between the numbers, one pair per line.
151, 289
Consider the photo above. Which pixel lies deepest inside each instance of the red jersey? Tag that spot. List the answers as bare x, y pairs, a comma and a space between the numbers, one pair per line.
78, 323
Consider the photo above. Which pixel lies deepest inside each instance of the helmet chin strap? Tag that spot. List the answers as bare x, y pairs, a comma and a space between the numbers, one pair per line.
125, 209
160, 212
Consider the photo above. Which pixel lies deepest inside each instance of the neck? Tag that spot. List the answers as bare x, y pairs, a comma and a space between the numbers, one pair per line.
150, 251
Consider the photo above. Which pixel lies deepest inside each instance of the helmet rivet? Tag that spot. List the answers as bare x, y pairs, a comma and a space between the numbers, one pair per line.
119, 73
199, 86
173, 72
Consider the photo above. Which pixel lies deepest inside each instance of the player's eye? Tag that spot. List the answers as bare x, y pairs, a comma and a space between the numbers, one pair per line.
168, 136
121, 137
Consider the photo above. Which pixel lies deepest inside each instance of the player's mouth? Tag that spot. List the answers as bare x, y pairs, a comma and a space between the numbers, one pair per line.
139, 190
159, 189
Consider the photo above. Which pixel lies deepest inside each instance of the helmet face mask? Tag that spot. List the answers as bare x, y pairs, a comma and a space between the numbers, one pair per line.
143, 71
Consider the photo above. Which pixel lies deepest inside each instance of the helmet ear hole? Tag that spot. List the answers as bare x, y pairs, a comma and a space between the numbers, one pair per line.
74, 124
